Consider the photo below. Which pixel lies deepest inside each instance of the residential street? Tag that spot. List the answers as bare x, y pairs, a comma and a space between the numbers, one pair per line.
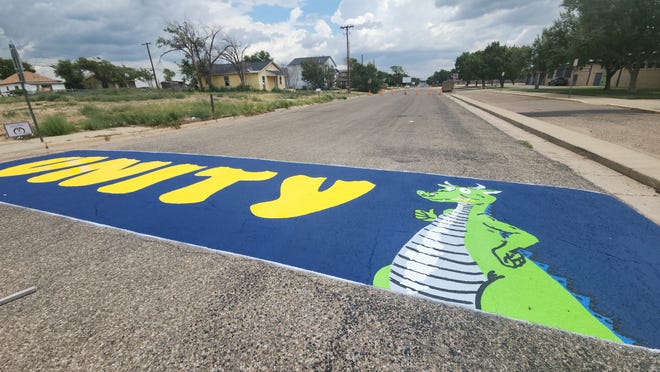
111, 299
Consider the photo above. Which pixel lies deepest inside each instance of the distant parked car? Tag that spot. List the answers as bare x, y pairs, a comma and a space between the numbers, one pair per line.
558, 81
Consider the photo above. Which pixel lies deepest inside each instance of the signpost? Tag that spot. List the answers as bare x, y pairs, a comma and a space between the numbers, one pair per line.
19, 70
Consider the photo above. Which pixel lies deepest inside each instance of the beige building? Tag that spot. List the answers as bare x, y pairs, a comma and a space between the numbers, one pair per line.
593, 74
258, 75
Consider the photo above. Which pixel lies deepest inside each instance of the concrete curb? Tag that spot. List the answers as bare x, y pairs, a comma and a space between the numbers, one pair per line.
640, 167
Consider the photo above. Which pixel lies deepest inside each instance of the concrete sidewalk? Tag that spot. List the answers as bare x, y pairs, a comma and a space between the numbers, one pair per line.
636, 165
649, 105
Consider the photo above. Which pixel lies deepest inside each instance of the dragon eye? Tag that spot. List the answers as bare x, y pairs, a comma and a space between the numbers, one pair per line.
465, 190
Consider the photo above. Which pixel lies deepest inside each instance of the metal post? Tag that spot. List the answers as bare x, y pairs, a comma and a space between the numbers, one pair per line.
348, 57
19, 70
152, 63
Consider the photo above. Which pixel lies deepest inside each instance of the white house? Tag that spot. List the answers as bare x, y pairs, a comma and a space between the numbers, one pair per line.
33, 83
294, 70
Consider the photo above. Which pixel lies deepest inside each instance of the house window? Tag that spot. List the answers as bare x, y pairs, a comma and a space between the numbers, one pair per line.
263, 80
280, 80
226, 81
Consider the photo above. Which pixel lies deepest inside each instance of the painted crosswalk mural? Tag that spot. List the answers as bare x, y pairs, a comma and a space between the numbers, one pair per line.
569, 259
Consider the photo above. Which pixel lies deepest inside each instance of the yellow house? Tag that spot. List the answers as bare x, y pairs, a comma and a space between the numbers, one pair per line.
258, 75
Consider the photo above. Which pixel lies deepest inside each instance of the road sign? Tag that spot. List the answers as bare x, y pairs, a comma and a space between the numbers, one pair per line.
21, 129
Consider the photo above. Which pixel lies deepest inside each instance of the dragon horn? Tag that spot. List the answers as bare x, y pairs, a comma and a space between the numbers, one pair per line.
447, 183
480, 187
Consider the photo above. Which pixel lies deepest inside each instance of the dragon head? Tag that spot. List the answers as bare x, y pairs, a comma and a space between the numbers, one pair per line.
467, 195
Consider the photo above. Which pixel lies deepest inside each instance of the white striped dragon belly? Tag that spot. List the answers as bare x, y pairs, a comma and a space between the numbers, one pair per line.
435, 263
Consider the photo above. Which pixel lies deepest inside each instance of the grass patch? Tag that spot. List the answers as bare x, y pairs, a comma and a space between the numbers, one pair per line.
56, 125
107, 108
152, 115
525, 143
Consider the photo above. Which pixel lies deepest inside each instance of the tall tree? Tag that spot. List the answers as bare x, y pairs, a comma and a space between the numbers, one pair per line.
438, 77
72, 74
496, 60
168, 74
198, 44
89, 73
260, 56
519, 61
317, 74
617, 33
234, 53
7, 68
397, 74
365, 77
551, 48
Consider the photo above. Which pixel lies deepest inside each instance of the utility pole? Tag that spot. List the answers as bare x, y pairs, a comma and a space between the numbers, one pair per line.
152, 63
348, 56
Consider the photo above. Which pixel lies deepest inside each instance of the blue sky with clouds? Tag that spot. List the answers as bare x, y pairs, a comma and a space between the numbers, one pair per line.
423, 36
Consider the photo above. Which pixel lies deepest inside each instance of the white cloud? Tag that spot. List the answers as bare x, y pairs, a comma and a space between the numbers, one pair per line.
422, 36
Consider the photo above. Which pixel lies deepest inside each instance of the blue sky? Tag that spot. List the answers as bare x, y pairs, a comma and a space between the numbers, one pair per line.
423, 36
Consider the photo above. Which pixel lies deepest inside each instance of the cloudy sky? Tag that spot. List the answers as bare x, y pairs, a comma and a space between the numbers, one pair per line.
423, 36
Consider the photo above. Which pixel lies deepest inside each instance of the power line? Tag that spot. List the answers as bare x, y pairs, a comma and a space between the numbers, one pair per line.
348, 56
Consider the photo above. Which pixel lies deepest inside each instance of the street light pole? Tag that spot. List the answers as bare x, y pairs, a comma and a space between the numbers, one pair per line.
348, 57
152, 63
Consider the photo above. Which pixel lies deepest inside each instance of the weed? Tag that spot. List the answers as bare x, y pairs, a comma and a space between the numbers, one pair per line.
525, 143
56, 125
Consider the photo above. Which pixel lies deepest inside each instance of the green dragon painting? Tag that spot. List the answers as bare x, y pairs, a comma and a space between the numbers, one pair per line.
467, 257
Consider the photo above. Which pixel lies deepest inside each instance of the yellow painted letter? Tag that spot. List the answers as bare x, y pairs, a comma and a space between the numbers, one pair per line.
219, 178
48, 165
99, 172
299, 195
151, 178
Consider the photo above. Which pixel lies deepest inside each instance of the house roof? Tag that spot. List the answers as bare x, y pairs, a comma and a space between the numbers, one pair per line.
319, 59
30, 78
228, 68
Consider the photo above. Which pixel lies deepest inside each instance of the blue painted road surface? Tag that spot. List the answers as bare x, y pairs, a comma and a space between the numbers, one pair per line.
570, 259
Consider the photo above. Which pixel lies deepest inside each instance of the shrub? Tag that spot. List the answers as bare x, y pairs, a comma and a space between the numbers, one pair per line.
56, 125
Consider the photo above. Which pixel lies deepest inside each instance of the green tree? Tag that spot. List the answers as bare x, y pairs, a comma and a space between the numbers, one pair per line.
71, 72
365, 77
397, 74
260, 56
168, 74
495, 61
318, 75
7, 68
519, 62
551, 48
90, 73
468, 66
438, 77
616, 33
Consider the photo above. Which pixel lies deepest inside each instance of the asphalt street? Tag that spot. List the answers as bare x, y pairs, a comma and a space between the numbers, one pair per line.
109, 299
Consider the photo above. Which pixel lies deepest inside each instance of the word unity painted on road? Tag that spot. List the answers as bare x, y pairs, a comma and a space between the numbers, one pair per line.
569, 259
